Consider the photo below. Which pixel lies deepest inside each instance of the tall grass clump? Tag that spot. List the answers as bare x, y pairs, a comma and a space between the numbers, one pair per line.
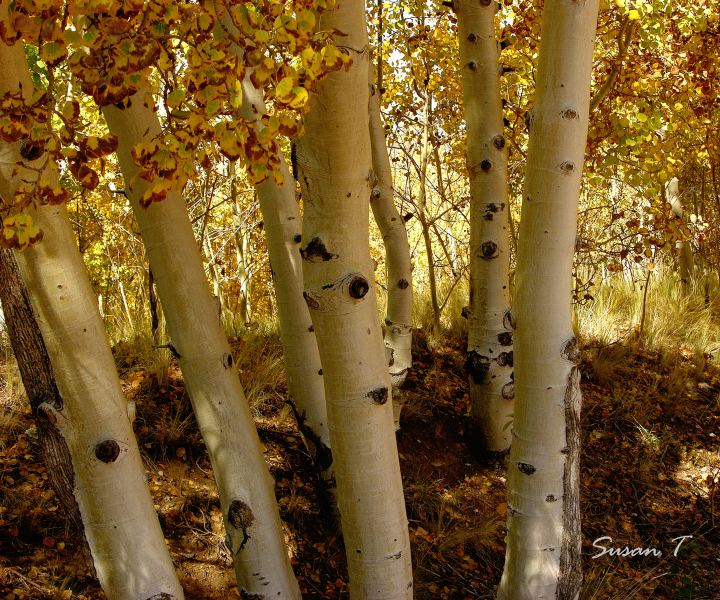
677, 316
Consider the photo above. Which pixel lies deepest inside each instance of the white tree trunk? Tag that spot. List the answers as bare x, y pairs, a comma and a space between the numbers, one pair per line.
334, 168
398, 316
244, 485
283, 231
129, 553
543, 549
242, 249
490, 352
686, 264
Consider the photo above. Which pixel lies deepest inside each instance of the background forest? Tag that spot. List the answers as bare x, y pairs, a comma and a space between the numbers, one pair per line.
645, 282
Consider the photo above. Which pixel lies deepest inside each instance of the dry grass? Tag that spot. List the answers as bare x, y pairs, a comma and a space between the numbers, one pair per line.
676, 320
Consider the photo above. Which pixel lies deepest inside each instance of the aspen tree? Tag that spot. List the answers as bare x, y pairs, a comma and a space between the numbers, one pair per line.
129, 554
244, 484
398, 316
283, 231
683, 248
543, 544
333, 161
489, 354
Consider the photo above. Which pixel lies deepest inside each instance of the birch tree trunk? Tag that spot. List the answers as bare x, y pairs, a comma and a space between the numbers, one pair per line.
543, 543
686, 265
398, 316
245, 487
283, 231
490, 352
422, 205
333, 159
128, 549
242, 249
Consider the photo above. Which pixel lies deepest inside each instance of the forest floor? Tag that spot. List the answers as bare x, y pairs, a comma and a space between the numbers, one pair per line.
650, 473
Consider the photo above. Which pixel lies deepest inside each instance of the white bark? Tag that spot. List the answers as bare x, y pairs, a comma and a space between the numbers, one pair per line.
686, 265
244, 484
490, 353
129, 553
398, 316
334, 168
283, 231
543, 550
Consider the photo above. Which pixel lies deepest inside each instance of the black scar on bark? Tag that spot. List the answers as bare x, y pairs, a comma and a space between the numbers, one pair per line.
526, 468
241, 518
550, 498
505, 359
499, 142
486, 165
311, 328
227, 360
107, 451
297, 238
505, 338
465, 312
509, 320
508, 390
378, 395
162, 596
403, 284
310, 301
358, 287
489, 250
316, 251
245, 595
477, 366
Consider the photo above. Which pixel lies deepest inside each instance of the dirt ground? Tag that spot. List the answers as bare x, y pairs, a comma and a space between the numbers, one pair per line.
650, 469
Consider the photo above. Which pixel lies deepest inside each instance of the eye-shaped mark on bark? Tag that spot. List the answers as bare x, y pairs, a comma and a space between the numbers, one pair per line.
394, 556
359, 287
472, 65
550, 498
245, 595
162, 596
378, 395
509, 319
505, 359
297, 238
310, 301
508, 390
375, 194
526, 468
316, 251
485, 2
472, 38
567, 168
477, 366
403, 284
505, 338
569, 113
107, 451
488, 250
227, 360
486, 165
240, 516
571, 351
499, 142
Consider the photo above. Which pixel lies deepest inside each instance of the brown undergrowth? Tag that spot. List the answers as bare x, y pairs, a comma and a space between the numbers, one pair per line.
650, 473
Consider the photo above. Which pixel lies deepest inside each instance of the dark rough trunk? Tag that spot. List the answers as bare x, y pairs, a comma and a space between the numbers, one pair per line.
39, 381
